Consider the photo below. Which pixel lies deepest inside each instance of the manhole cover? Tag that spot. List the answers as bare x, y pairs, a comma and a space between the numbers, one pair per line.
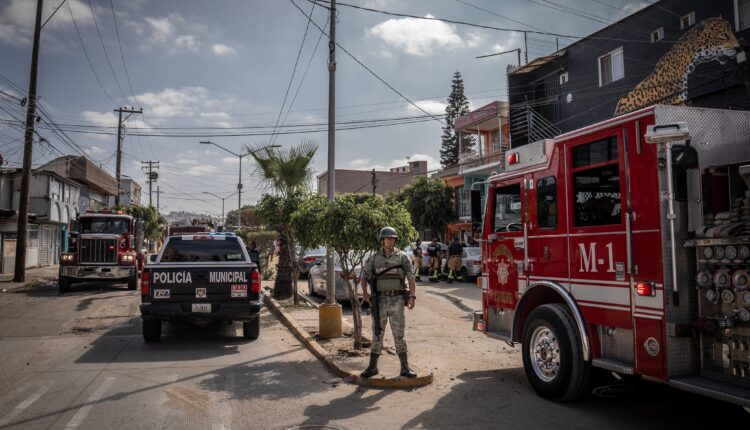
612, 391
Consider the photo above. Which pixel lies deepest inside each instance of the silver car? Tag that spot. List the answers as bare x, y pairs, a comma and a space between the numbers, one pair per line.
316, 281
308, 260
471, 259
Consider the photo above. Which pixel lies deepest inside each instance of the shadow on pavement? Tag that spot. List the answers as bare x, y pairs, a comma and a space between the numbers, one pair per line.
491, 397
78, 290
359, 402
181, 341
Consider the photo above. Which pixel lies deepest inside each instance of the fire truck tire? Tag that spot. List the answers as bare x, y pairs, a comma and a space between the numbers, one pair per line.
63, 284
152, 330
251, 329
132, 282
552, 355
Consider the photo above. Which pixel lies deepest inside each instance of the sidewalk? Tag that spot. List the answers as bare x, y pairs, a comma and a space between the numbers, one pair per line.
34, 276
438, 335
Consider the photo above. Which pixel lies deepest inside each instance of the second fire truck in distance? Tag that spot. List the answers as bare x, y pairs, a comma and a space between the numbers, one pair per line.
625, 246
107, 248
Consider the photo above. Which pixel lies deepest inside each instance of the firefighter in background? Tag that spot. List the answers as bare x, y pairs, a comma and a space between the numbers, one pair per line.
433, 251
417, 259
454, 260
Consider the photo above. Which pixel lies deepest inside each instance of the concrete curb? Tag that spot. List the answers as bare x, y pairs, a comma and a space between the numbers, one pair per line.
324, 357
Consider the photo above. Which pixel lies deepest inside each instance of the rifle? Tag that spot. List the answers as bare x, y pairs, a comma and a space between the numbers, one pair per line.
374, 304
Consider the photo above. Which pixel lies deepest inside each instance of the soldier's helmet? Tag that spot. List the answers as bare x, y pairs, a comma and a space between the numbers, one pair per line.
387, 232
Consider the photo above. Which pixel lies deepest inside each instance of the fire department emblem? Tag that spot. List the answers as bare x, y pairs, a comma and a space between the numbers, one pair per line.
503, 258
502, 272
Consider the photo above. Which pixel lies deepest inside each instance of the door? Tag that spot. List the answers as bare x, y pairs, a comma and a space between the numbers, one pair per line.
505, 247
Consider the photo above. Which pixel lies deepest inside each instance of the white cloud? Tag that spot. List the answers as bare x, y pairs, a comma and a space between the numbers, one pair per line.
17, 19
95, 150
171, 102
230, 160
417, 36
222, 50
359, 162
187, 161
435, 107
187, 42
201, 170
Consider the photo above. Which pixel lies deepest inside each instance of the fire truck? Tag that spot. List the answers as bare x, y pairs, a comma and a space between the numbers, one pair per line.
625, 246
107, 247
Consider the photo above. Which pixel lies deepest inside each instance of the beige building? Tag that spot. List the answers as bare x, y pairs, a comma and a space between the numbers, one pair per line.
364, 181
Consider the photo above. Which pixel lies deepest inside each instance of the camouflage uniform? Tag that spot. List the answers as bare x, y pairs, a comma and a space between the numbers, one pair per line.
390, 299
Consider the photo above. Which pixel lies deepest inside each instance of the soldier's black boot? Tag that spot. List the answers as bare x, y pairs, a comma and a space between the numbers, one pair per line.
372, 369
405, 370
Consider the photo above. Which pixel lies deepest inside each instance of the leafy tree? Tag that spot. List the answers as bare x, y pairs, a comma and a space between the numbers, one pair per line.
250, 216
153, 222
458, 105
430, 203
350, 225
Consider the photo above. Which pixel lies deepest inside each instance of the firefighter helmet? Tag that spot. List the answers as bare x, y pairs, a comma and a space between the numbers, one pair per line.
388, 232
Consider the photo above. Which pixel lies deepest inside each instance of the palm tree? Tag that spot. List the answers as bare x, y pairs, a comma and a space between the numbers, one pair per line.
286, 173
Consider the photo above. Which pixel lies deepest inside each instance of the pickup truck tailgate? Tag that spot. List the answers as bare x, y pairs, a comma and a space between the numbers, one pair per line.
201, 283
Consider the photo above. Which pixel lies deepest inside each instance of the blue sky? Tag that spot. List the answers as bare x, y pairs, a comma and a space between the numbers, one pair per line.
221, 67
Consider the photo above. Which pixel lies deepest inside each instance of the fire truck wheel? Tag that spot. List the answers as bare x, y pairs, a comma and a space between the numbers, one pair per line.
63, 284
251, 329
132, 282
552, 354
151, 330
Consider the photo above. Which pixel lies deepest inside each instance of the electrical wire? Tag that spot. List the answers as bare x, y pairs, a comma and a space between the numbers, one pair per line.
106, 54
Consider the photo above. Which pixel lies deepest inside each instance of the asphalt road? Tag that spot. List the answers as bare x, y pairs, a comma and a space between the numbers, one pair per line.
78, 361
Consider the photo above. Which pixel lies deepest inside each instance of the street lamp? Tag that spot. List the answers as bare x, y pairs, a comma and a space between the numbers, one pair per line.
223, 220
239, 184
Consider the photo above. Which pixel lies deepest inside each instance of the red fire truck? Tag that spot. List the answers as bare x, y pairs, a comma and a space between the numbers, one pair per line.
108, 247
625, 246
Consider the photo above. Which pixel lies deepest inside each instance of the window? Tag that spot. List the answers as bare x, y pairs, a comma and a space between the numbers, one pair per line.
741, 14
657, 34
546, 202
507, 209
496, 144
596, 184
104, 225
687, 20
202, 251
611, 67
55, 192
563, 78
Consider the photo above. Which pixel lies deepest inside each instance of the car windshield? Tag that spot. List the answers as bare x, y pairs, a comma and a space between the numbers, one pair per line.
474, 252
107, 225
321, 250
190, 251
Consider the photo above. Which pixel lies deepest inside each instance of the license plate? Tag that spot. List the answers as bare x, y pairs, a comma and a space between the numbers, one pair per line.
202, 307
239, 290
161, 294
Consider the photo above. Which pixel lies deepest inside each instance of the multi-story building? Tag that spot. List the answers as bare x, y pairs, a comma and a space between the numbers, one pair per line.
670, 52
98, 187
368, 181
53, 204
130, 192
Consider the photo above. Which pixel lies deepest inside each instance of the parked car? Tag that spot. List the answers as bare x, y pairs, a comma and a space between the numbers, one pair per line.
308, 259
316, 281
471, 260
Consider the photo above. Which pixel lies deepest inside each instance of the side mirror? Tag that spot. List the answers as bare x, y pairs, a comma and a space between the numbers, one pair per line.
152, 258
476, 207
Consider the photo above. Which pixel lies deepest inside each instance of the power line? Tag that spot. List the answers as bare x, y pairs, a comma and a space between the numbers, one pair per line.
487, 27
368, 69
106, 55
119, 43
85, 52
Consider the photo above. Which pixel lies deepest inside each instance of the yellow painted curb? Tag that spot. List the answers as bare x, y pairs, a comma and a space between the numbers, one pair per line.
318, 351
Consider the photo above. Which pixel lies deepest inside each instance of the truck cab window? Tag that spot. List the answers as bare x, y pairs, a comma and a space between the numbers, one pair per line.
546, 194
596, 184
507, 209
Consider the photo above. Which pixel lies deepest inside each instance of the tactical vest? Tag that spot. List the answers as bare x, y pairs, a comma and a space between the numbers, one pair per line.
392, 280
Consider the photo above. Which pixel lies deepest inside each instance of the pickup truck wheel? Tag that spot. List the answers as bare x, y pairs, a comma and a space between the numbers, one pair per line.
63, 284
151, 330
251, 329
132, 282
552, 355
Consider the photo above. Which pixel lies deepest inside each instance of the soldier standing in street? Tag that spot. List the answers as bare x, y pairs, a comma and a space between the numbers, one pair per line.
454, 260
388, 268
433, 251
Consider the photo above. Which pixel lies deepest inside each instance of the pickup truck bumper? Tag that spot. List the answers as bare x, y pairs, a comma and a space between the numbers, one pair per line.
98, 272
183, 311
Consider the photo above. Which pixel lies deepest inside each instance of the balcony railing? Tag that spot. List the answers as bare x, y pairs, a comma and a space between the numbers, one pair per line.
527, 125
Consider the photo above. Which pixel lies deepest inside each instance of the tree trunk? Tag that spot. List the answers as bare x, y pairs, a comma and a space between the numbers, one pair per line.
282, 287
294, 266
356, 309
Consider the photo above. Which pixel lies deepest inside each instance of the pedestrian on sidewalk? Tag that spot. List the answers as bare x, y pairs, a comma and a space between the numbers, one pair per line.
433, 251
454, 260
388, 268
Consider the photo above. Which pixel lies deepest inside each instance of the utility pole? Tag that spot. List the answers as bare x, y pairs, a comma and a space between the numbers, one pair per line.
152, 176
374, 182
19, 274
120, 111
158, 195
525, 49
329, 316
